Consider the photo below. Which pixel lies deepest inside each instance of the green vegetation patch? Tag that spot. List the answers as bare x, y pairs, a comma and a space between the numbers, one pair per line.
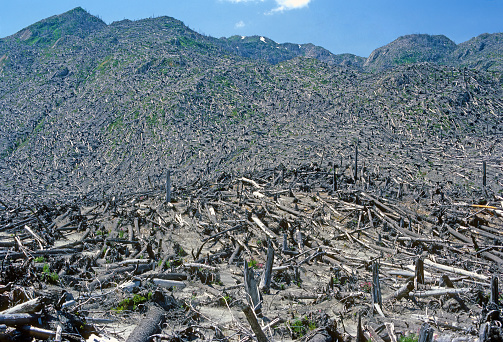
48, 276
301, 326
131, 304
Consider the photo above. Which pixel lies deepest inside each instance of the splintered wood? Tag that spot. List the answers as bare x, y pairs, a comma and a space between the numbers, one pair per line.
223, 260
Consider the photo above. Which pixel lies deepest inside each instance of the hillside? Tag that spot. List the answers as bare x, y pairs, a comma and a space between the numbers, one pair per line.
109, 109
410, 49
484, 52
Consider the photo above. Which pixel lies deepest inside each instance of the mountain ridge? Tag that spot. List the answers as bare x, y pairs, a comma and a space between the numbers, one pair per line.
412, 48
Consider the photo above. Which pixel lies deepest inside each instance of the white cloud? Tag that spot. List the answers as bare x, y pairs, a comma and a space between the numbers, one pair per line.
240, 24
285, 5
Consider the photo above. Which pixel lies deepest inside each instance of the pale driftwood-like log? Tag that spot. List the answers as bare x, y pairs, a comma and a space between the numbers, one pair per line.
105, 279
440, 292
249, 181
30, 306
263, 227
390, 329
299, 239
18, 319
374, 336
59, 334
455, 270
198, 265
402, 292
252, 320
169, 283
134, 262
148, 326
42, 243
265, 281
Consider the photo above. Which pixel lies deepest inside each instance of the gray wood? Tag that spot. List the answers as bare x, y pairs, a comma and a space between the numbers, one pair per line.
148, 326
265, 281
251, 289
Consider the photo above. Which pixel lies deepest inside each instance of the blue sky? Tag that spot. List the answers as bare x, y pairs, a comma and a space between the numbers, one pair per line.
354, 26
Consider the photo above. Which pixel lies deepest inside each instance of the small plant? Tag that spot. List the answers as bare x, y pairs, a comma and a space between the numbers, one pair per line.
301, 326
409, 338
297, 327
366, 286
48, 276
40, 259
253, 264
225, 300
131, 303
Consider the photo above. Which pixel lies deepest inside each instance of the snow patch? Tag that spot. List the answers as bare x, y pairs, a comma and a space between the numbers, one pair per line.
262, 39
243, 37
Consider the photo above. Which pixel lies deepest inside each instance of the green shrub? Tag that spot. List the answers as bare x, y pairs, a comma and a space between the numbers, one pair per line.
48, 276
131, 303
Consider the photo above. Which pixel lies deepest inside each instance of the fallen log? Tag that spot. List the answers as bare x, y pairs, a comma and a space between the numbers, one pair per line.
428, 262
440, 292
18, 319
148, 326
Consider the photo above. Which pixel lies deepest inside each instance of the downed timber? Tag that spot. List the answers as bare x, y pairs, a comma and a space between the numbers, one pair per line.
169, 283
428, 262
30, 306
290, 210
250, 181
148, 326
402, 231
18, 319
263, 227
440, 292
487, 255
252, 320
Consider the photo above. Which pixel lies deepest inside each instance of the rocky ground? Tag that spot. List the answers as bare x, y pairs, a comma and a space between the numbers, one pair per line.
136, 267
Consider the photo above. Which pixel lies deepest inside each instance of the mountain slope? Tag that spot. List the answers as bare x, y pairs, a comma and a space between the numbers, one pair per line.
74, 23
484, 52
108, 112
410, 49
262, 48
